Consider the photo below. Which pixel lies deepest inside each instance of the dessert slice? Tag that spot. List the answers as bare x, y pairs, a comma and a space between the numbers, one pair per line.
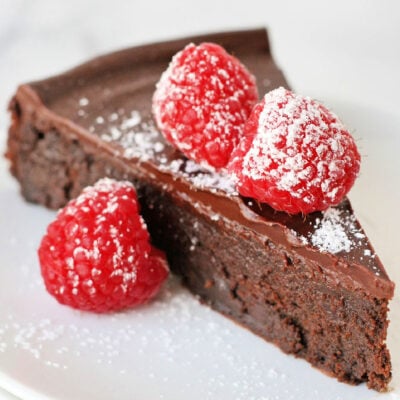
280, 276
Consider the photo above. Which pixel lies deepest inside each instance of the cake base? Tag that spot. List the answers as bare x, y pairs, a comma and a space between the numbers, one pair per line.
271, 291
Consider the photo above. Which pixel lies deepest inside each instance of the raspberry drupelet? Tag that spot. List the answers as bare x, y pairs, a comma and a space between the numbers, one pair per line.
96, 255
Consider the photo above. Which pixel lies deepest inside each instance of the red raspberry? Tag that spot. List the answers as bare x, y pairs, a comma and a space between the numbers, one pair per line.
295, 155
202, 102
96, 255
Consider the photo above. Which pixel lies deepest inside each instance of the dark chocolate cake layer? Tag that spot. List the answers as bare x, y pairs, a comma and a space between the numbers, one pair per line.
313, 285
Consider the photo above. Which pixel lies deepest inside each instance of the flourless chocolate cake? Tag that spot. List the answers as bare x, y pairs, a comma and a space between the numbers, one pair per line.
313, 285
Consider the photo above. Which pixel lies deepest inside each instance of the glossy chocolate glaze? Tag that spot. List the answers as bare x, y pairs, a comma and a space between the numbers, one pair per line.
107, 102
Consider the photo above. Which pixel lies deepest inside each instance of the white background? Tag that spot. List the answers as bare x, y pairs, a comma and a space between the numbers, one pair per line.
345, 53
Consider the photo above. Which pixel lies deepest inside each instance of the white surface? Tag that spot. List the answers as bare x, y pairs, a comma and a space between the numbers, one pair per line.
176, 348
7, 395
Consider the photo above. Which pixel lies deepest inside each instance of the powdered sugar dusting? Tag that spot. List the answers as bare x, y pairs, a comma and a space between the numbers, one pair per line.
83, 101
330, 234
140, 139
337, 231
206, 177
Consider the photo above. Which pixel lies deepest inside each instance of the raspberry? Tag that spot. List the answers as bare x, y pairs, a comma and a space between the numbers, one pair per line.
96, 255
295, 155
202, 102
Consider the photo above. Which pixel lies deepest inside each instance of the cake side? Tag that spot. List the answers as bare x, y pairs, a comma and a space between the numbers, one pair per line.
54, 154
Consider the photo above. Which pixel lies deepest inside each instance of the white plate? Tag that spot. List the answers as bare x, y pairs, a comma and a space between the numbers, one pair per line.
175, 348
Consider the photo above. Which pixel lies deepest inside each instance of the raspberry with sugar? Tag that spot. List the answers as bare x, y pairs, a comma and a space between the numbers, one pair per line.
202, 102
295, 155
96, 255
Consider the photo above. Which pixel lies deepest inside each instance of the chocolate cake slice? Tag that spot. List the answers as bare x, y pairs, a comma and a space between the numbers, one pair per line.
312, 285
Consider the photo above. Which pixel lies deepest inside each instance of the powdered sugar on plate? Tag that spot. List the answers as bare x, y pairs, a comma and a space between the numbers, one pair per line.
175, 330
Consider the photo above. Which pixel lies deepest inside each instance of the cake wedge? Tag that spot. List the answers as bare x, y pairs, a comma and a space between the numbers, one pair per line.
322, 300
